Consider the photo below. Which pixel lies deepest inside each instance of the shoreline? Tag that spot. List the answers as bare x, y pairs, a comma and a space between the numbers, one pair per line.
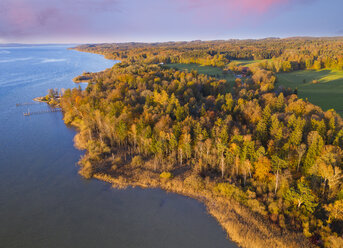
39, 99
242, 225
85, 77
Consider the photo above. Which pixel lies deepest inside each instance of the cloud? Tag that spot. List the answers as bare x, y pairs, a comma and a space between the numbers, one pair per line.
239, 8
260, 7
246, 6
123, 20
237, 14
52, 17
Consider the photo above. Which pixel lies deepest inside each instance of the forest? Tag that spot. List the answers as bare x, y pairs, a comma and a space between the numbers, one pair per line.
245, 146
277, 54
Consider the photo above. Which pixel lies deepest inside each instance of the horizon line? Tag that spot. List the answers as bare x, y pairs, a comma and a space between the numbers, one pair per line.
166, 41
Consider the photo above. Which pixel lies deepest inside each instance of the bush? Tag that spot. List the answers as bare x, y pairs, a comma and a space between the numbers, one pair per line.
282, 222
256, 206
194, 182
273, 208
86, 170
137, 161
225, 189
117, 160
306, 229
166, 175
340, 195
334, 242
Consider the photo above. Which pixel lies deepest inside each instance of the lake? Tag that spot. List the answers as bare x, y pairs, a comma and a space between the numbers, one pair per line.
45, 203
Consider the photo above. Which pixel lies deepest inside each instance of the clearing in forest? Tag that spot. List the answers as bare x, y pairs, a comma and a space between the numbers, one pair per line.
322, 87
208, 70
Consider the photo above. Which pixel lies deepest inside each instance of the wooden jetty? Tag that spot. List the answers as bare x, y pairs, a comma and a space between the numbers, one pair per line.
27, 104
28, 113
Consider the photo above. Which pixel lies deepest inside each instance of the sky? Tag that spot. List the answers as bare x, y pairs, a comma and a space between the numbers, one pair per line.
97, 21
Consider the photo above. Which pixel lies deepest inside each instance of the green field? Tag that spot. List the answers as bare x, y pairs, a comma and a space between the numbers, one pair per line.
246, 63
328, 93
208, 70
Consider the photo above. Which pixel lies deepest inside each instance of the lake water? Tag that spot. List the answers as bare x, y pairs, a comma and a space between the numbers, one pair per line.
45, 203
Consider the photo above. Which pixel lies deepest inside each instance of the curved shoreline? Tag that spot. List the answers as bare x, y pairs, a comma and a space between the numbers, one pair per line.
242, 225
245, 228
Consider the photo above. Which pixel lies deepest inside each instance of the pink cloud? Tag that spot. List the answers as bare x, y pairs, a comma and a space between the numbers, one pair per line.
234, 13
21, 15
257, 6
49, 17
254, 7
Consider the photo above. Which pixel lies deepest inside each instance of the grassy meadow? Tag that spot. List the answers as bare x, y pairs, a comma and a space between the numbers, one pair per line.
208, 70
246, 63
327, 92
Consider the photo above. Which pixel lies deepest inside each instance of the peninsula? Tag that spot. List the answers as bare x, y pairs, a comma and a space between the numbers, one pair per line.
215, 121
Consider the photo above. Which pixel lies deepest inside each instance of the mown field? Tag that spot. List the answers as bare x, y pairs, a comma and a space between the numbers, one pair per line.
208, 70
246, 63
326, 93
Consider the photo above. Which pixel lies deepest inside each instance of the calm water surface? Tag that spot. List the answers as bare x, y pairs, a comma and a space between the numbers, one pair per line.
45, 203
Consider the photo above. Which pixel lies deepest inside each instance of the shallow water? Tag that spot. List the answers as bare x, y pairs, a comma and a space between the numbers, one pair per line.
45, 203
